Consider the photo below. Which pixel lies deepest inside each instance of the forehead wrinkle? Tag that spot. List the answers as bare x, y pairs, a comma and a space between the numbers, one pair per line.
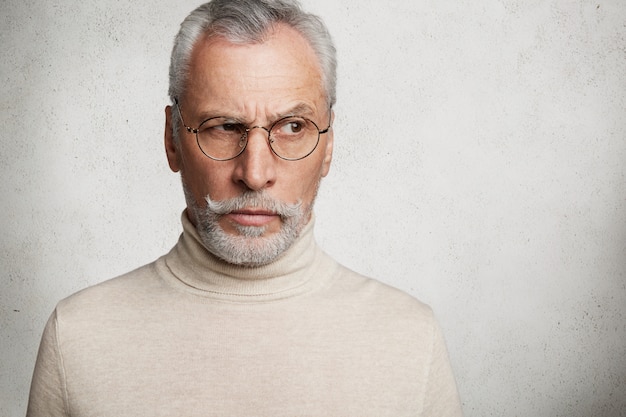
279, 101
254, 90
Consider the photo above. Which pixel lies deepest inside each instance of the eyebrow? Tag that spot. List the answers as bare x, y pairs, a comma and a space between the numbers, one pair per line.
300, 109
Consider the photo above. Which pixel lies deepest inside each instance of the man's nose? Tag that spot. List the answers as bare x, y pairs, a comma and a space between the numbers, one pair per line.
256, 164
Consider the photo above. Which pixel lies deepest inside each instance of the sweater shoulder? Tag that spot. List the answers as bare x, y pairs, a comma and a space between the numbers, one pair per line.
379, 295
122, 290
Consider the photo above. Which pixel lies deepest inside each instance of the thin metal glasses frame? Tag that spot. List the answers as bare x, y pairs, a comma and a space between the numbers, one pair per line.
247, 130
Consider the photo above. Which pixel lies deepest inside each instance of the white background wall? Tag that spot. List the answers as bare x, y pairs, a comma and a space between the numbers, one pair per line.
480, 165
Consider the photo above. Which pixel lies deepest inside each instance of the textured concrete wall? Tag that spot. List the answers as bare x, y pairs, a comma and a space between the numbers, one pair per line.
480, 165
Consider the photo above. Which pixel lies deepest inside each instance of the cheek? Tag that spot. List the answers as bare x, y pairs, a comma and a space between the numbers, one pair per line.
305, 182
202, 179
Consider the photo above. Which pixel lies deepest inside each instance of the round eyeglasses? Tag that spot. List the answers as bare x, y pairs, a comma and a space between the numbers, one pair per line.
291, 138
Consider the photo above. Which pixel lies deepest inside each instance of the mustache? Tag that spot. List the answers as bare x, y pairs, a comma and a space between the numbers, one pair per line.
254, 199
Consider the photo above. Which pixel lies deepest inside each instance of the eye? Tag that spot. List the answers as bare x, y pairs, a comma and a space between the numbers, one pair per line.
222, 126
291, 126
228, 127
296, 126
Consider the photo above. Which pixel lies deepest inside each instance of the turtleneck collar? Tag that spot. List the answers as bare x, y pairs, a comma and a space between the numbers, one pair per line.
200, 272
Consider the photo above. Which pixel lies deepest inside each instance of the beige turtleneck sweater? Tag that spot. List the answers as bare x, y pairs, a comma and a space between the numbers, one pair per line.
189, 335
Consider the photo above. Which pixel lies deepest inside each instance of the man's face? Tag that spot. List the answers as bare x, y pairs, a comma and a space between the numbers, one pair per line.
255, 83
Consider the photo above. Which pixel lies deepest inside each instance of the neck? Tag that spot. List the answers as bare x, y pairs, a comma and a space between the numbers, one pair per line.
205, 274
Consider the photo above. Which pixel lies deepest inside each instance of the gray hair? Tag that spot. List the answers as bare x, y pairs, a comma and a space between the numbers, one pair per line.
248, 21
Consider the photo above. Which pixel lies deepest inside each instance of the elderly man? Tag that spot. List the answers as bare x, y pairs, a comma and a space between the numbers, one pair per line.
246, 315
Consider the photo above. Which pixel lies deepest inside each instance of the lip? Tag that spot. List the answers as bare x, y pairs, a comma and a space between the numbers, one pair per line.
252, 217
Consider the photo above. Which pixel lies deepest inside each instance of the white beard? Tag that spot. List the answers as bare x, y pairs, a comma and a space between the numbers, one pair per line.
249, 247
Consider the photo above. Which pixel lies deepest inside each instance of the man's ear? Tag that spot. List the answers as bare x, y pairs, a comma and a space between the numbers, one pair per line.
171, 148
328, 151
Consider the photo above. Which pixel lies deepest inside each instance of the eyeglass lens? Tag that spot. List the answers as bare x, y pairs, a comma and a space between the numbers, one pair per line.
290, 138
